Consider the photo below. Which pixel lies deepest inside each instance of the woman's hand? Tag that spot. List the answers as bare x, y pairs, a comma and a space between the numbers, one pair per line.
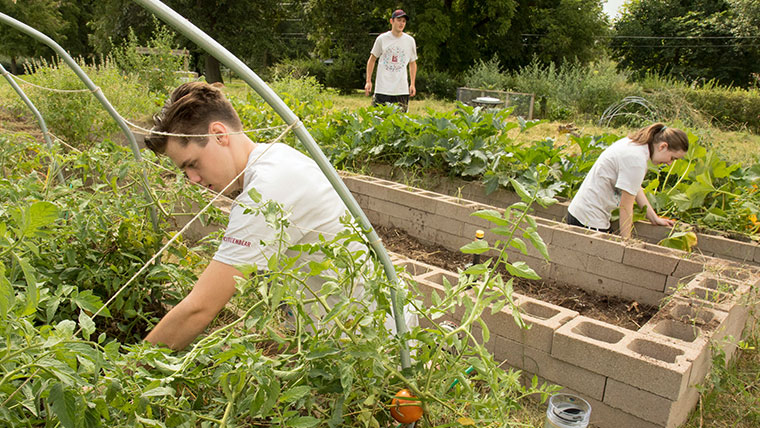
662, 221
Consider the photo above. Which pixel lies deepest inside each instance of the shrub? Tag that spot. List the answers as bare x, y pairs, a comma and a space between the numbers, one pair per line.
300, 67
439, 84
486, 75
125, 92
159, 68
347, 73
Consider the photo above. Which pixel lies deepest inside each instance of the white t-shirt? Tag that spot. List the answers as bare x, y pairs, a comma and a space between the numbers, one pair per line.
283, 174
393, 54
620, 167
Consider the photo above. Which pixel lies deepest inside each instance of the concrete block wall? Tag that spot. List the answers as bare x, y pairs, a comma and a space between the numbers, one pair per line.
594, 261
710, 245
643, 378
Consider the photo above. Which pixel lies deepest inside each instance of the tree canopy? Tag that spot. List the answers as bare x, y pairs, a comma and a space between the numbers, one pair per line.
690, 39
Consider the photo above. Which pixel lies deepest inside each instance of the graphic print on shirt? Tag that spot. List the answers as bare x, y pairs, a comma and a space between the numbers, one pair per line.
394, 59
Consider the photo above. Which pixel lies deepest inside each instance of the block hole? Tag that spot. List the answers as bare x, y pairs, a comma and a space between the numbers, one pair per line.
677, 330
414, 269
539, 311
706, 294
598, 332
438, 278
689, 314
721, 285
655, 350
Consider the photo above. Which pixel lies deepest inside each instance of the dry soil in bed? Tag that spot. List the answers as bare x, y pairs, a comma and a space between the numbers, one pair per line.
623, 313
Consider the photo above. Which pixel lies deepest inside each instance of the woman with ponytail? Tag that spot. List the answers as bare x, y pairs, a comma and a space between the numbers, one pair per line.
616, 177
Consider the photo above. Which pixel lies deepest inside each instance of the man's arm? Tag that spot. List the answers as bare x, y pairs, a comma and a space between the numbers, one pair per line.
412, 78
192, 315
370, 69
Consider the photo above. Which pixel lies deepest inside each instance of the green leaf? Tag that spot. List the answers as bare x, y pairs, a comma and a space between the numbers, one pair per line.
521, 269
521, 191
519, 244
29, 272
476, 270
302, 422
254, 195
491, 215
86, 324
294, 394
64, 405
475, 247
537, 242
39, 215
7, 296
485, 331
160, 391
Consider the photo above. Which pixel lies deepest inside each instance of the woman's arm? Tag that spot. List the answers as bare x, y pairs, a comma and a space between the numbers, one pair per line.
642, 201
626, 214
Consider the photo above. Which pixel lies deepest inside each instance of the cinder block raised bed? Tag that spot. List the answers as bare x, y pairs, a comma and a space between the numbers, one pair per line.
707, 244
640, 379
643, 378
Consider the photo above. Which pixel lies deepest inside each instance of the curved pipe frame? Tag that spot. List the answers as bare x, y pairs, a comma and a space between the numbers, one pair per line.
37, 114
225, 57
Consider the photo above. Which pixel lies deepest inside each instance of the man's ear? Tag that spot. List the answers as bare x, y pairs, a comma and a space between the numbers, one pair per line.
221, 129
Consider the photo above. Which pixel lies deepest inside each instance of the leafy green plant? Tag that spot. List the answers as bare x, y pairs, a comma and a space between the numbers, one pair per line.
67, 249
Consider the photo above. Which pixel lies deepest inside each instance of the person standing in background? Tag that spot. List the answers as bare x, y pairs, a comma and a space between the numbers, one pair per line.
395, 50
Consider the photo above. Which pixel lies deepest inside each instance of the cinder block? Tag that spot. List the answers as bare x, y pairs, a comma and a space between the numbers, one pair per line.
625, 355
727, 248
452, 208
606, 416
541, 317
648, 406
587, 241
641, 295
450, 241
689, 267
587, 383
587, 281
628, 274
570, 258
413, 198
650, 260
691, 325
453, 226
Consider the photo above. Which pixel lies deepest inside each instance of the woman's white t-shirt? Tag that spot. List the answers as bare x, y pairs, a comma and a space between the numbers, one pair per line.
621, 167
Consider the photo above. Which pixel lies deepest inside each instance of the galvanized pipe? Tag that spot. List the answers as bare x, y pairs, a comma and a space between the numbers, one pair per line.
225, 57
37, 114
95, 90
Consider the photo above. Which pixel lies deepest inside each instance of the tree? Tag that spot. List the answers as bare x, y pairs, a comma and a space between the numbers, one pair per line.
688, 39
245, 28
555, 31
43, 15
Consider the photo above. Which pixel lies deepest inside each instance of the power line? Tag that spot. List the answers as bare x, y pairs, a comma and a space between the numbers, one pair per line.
659, 37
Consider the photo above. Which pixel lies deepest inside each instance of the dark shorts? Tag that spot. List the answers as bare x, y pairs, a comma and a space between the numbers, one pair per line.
572, 221
402, 100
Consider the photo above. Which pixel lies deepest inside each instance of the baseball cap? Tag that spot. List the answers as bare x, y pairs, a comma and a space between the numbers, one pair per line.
398, 13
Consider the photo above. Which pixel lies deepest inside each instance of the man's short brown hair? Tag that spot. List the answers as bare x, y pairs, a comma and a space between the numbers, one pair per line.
190, 109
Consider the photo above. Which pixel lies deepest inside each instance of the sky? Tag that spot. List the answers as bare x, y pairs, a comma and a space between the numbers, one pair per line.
611, 8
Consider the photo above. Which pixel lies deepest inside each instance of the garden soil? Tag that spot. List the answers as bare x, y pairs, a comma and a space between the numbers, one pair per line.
613, 310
